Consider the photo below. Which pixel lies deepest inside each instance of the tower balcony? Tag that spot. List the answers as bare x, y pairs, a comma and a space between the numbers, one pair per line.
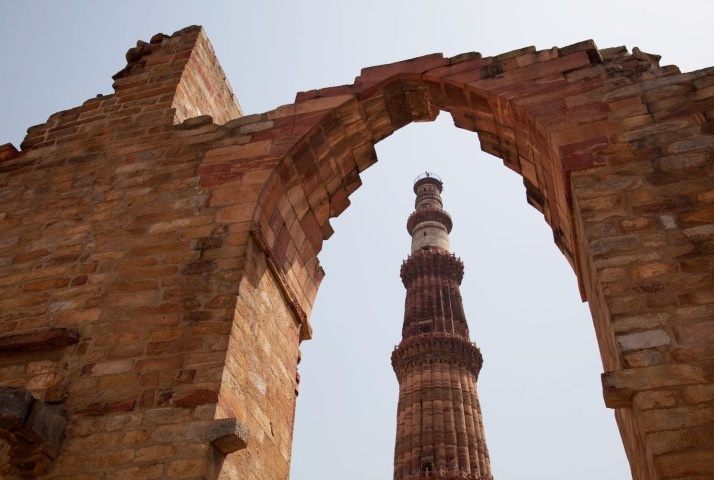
435, 347
431, 261
429, 215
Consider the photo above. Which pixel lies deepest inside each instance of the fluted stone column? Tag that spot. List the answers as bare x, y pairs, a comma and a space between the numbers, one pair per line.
439, 424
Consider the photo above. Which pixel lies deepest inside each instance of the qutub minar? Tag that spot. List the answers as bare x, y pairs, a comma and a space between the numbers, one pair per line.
440, 430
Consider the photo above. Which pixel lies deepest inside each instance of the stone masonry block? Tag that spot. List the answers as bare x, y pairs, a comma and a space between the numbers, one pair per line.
620, 386
692, 464
654, 399
38, 340
227, 435
642, 340
15, 405
662, 442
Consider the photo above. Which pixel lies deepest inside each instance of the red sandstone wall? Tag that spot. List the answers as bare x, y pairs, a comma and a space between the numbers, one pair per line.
260, 377
108, 235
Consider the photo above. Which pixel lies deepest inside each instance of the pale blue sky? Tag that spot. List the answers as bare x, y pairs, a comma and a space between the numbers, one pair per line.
540, 384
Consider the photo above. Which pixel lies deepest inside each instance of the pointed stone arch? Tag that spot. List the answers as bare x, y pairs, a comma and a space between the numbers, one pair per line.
545, 114
582, 126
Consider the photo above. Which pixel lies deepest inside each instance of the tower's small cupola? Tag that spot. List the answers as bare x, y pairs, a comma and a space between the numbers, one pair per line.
429, 225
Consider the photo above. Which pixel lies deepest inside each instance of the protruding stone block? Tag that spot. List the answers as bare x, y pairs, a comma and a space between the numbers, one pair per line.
33, 429
39, 340
620, 386
234, 436
227, 434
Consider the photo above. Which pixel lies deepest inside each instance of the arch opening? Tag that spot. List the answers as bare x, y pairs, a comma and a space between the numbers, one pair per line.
507, 308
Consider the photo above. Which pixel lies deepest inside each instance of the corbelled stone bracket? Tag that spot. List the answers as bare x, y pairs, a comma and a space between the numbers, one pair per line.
230, 435
616, 389
33, 429
227, 435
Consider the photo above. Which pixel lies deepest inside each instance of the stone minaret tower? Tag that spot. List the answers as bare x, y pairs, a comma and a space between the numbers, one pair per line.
439, 425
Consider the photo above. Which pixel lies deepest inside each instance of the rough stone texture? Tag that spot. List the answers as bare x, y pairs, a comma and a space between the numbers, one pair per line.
37, 340
128, 219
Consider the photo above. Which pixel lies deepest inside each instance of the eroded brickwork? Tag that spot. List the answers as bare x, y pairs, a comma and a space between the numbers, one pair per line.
107, 234
159, 228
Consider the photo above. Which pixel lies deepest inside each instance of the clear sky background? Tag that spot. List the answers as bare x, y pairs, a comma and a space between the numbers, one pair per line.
540, 384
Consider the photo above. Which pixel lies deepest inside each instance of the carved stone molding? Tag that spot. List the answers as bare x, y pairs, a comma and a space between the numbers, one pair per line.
305, 330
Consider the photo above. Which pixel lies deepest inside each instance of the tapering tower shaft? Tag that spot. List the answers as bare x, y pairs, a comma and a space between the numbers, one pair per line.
439, 422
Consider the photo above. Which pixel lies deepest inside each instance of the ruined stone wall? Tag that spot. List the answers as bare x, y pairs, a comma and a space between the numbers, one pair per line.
120, 276
158, 251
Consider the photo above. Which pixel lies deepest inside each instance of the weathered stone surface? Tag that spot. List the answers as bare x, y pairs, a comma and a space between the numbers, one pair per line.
42, 339
204, 432
46, 422
33, 430
620, 386
179, 240
15, 406
642, 340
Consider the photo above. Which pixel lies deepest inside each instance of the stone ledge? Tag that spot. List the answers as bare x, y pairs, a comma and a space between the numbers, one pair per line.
38, 340
232, 436
227, 435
